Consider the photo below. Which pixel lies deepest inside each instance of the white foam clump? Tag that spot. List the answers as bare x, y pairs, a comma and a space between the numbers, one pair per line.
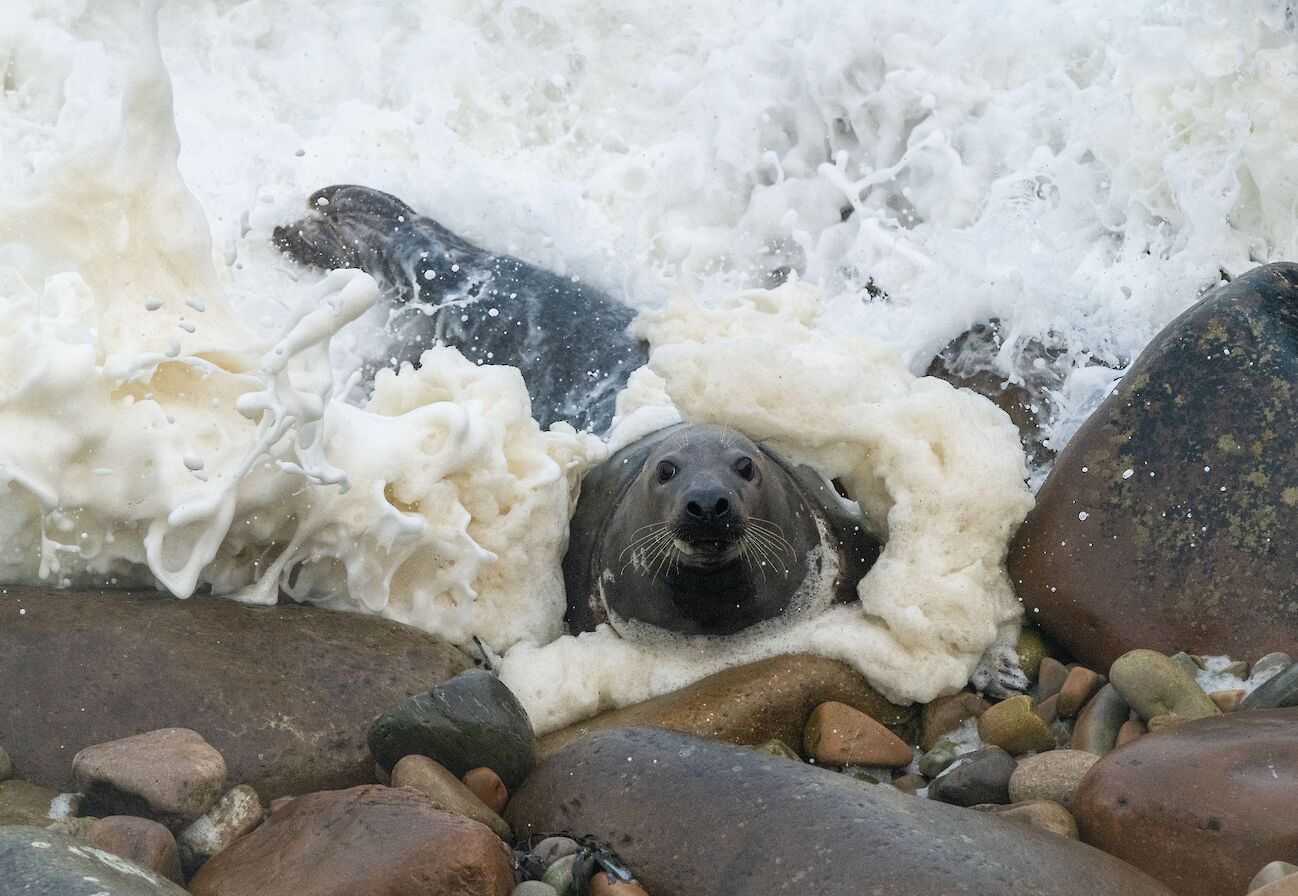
938, 473
152, 437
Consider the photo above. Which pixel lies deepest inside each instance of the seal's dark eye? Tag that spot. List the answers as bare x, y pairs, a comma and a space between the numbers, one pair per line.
666, 470
744, 467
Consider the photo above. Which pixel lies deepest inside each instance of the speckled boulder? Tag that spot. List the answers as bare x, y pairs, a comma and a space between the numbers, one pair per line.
694, 817
1170, 520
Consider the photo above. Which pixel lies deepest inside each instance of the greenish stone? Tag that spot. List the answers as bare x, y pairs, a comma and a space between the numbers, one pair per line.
1032, 648
47, 863
1014, 726
467, 722
534, 888
1154, 685
936, 760
559, 875
1097, 726
25, 803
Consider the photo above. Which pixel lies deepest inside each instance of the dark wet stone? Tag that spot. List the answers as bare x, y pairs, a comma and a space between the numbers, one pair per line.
690, 816
286, 694
468, 722
1201, 806
1098, 724
1279, 691
45, 863
982, 777
1196, 548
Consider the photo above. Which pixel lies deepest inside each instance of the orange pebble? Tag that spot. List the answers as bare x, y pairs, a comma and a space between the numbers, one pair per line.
487, 786
606, 885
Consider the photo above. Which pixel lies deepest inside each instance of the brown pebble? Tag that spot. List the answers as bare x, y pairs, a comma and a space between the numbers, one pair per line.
946, 714
837, 734
1081, 685
487, 786
605, 885
910, 784
1130, 731
1050, 678
1227, 701
1048, 709
146, 843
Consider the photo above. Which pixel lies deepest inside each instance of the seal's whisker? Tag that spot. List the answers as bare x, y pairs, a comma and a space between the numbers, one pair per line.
775, 540
769, 524
776, 549
659, 531
747, 552
647, 551
769, 556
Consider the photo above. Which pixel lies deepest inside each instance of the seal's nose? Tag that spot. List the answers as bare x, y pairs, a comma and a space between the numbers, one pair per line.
708, 506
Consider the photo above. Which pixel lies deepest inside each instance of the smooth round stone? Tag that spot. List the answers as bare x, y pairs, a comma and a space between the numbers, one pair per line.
446, 792
1097, 726
146, 843
1080, 686
6, 766
603, 885
487, 786
1014, 726
534, 888
1281, 690
469, 721
838, 734
1270, 873
936, 760
45, 863
946, 714
1269, 666
1053, 776
1044, 815
552, 849
559, 875
1032, 648
171, 775
983, 777
1153, 685
1129, 731
1050, 678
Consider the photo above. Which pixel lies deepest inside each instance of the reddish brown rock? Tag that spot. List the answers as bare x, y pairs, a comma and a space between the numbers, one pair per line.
1129, 731
1079, 687
487, 786
285, 693
446, 792
146, 843
691, 816
1050, 678
366, 841
837, 734
1169, 520
605, 885
1201, 806
767, 700
945, 714
1048, 709
171, 775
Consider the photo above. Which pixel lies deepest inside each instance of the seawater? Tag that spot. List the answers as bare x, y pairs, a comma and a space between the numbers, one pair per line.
179, 401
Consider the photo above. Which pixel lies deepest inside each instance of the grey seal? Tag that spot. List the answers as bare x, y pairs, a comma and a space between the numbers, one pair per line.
697, 530
568, 339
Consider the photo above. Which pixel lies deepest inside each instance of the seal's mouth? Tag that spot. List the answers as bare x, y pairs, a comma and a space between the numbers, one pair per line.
708, 550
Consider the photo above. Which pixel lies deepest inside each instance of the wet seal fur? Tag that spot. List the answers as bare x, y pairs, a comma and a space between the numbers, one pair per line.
696, 530
568, 339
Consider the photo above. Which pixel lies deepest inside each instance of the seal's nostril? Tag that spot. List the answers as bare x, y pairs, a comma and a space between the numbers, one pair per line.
693, 509
723, 507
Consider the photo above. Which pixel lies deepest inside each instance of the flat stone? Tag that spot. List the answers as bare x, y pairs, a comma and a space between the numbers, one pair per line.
1053, 776
1201, 806
46, 863
767, 700
1168, 521
1080, 686
235, 814
1153, 685
691, 816
171, 776
1014, 726
146, 843
945, 714
981, 777
468, 722
1043, 815
22, 802
285, 693
1098, 724
837, 734
1270, 873
364, 841
446, 792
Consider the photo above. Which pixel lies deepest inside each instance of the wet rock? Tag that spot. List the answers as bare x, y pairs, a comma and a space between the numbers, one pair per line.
6, 766
1169, 520
22, 802
1050, 678
46, 863
171, 776
1270, 873
1285, 886
1048, 709
1043, 815
1130, 731
1153, 685
534, 888
364, 841
146, 843
1201, 806
1227, 701
1080, 686
910, 784
1269, 666
837, 734
1186, 662
472, 720
560, 875
779, 748
1098, 724
1013, 726
487, 786
551, 849
1053, 776
981, 777
606, 885
945, 714
1279, 691
235, 814
1032, 647
767, 700
446, 792
285, 693
938, 759
692, 816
